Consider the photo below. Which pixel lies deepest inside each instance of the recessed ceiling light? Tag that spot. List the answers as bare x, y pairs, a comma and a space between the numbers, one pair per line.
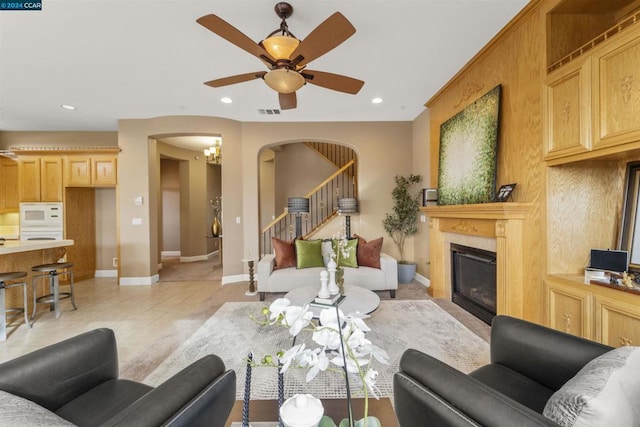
376, 100
226, 100
68, 107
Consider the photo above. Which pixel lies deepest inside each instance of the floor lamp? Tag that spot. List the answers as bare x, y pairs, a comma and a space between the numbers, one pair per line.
348, 205
298, 206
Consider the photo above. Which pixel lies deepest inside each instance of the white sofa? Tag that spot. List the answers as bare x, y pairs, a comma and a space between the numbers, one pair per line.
286, 279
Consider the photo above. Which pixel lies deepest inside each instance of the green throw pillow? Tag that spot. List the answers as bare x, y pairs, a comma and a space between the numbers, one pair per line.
352, 248
309, 253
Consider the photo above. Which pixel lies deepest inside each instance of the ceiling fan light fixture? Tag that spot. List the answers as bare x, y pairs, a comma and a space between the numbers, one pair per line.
283, 80
279, 46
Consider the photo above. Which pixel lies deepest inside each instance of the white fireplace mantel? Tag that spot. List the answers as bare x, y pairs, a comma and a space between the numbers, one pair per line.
504, 222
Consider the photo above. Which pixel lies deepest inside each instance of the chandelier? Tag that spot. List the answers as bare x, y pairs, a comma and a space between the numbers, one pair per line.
213, 154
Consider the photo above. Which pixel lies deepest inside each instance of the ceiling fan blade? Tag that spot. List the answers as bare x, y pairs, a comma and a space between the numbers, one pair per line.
326, 36
333, 81
230, 33
225, 81
288, 101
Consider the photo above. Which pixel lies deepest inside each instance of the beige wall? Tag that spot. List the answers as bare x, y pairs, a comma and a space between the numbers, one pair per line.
298, 170
138, 166
10, 139
267, 187
139, 175
372, 141
422, 166
170, 184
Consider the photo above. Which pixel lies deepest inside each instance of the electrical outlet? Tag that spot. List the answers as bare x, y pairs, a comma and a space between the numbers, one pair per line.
115, 262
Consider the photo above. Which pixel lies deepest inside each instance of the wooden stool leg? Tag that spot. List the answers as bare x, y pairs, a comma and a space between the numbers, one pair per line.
3, 320
26, 311
55, 291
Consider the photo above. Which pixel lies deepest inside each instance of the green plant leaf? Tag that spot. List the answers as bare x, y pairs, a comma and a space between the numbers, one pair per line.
325, 421
371, 422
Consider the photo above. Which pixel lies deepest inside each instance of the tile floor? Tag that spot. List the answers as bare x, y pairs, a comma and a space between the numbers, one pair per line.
139, 315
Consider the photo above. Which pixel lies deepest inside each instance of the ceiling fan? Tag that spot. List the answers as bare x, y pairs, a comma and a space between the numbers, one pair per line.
286, 57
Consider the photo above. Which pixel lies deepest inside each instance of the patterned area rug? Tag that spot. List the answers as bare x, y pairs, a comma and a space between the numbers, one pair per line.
396, 326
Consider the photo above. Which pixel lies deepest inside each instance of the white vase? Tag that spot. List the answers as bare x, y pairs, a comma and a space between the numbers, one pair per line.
324, 287
333, 286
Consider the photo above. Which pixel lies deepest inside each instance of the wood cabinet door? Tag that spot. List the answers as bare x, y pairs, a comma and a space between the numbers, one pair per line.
567, 104
77, 171
618, 322
570, 310
9, 189
103, 171
616, 97
29, 179
51, 179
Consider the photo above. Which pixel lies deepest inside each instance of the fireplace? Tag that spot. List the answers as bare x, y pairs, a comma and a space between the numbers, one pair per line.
473, 281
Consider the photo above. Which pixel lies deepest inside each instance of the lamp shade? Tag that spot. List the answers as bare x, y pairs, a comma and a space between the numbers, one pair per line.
280, 47
284, 81
298, 205
348, 205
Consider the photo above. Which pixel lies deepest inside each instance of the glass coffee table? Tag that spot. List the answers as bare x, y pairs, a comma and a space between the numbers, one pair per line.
357, 299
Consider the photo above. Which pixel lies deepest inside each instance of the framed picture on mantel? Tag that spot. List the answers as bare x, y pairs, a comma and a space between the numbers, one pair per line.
505, 192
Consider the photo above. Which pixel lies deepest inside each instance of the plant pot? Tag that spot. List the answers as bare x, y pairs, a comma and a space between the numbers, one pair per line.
406, 271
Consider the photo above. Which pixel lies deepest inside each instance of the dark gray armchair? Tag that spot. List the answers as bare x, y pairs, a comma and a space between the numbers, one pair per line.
528, 364
77, 379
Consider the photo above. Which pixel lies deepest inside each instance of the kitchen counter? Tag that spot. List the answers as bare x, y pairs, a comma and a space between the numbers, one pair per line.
21, 255
16, 246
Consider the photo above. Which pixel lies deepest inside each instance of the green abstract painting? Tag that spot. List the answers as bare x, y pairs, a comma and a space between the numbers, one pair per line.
468, 153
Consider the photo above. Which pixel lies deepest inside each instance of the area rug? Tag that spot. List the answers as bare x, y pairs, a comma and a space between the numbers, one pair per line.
396, 326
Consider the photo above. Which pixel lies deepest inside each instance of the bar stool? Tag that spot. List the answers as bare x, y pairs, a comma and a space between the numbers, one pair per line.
54, 296
4, 278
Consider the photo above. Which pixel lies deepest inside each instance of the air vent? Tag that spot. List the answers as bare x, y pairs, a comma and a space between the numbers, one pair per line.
269, 111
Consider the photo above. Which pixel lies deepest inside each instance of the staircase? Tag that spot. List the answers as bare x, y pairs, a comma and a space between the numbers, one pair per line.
323, 199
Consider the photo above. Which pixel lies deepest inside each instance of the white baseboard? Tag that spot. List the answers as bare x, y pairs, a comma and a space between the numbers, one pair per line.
106, 273
139, 281
167, 254
422, 280
194, 258
235, 279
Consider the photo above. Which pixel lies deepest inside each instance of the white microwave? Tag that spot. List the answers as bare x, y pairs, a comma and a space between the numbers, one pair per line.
41, 216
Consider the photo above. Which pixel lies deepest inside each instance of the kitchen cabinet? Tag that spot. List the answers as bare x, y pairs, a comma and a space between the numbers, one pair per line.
8, 185
607, 314
40, 179
90, 171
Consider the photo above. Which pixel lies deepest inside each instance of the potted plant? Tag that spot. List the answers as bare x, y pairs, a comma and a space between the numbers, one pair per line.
402, 221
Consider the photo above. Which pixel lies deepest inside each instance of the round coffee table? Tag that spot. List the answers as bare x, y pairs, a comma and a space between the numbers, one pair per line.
357, 299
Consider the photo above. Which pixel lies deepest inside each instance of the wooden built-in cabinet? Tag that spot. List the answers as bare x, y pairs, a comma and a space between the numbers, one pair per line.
90, 171
567, 101
616, 91
604, 314
592, 96
40, 179
8, 185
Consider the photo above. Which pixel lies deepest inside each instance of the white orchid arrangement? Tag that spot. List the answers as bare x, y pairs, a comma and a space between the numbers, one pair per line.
343, 346
342, 247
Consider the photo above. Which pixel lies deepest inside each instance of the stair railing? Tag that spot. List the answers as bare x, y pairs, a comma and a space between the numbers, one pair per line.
323, 203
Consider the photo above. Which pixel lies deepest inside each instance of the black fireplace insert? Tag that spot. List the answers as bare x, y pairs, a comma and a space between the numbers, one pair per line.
473, 281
